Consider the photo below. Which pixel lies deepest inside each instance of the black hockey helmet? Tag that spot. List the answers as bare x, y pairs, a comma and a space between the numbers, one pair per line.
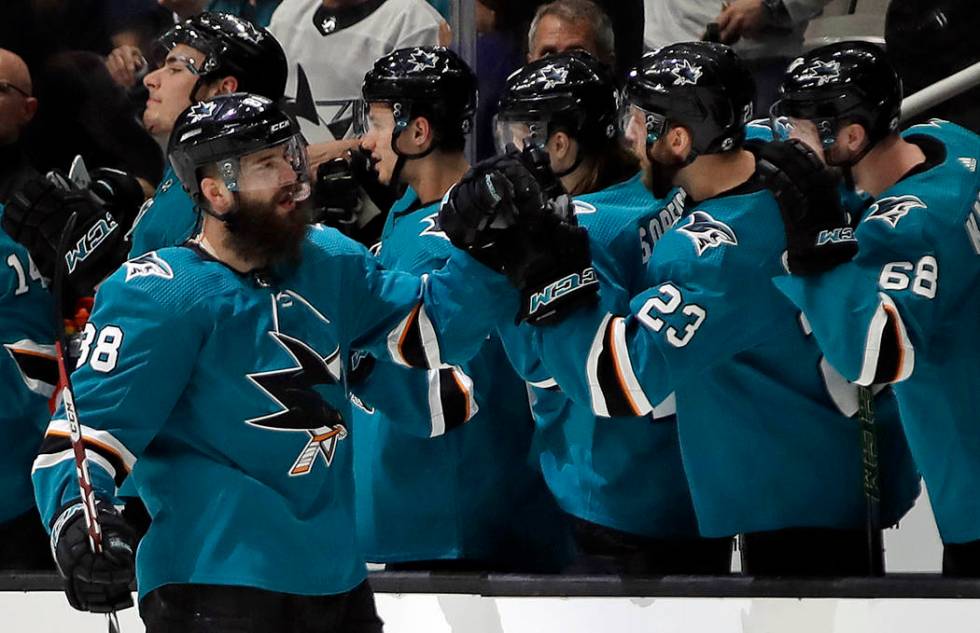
232, 46
429, 81
222, 130
702, 86
841, 83
572, 92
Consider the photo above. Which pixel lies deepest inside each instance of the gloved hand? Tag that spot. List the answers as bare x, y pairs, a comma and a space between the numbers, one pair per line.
818, 231
500, 214
95, 582
36, 217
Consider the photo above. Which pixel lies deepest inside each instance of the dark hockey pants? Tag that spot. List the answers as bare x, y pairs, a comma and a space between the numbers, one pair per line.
819, 552
604, 550
228, 609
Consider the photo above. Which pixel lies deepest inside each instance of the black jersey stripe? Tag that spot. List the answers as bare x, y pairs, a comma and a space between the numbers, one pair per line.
57, 442
612, 383
455, 399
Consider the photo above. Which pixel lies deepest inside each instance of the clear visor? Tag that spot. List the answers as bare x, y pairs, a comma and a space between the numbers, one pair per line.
510, 131
636, 123
819, 134
161, 55
360, 122
282, 168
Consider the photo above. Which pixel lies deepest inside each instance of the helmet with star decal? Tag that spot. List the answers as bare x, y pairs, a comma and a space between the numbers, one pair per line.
233, 47
702, 86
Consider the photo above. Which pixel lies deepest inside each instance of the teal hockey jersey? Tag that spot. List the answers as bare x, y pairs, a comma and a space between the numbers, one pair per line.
28, 372
626, 472
915, 280
766, 430
190, 378
167, 219
429, 486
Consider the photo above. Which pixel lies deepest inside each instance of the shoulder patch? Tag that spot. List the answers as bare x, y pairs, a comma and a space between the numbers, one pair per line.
893, 208
707, 232
148, 265
431, 223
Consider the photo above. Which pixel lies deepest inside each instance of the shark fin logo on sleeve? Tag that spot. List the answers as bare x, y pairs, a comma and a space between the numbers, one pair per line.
706, 232
148, 265
893, 208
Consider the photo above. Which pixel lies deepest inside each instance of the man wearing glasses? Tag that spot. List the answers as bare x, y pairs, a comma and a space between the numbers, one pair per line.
17, 108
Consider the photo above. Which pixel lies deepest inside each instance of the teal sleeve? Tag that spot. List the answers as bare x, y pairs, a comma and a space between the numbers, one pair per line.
138, 351
887, 295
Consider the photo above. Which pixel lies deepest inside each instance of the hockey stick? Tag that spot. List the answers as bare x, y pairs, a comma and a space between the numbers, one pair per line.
71, 414
871, 480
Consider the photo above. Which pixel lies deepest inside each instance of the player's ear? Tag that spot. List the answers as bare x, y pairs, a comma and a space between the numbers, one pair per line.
854, 137
680, 141
216, 194
560, 149
422, 133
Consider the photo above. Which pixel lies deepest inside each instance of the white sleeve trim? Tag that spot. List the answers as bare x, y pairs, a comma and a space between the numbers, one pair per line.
102, 437
872, 345
592, 370
47, 460
624, 366
547, 383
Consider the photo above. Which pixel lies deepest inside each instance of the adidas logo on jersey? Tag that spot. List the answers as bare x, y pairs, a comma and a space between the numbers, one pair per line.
969, 163
893, 208
707, 232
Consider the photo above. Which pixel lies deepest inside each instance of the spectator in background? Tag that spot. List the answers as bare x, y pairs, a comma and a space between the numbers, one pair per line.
556, 27
17, 108
331, 44
766, 34
565, 25
82, 111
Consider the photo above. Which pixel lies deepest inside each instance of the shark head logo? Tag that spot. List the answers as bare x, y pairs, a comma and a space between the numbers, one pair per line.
686, 73
553, 76
707, 232
893, 209
821, 72
421, 60
149, 265
301, 408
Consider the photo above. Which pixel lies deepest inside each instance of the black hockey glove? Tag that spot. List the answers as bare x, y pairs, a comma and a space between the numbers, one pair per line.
500, 214
95, 582
336, 195
819, 236
37, 214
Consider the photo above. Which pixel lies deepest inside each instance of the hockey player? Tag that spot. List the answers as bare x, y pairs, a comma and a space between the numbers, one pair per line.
894, 313
28, 374
206, 55
767, 439
621, 479
468, 498
211, 373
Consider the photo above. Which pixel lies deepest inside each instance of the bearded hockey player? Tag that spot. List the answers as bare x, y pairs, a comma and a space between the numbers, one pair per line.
894, 313
462, 495
211, 375
621, 480
206, 55
766, 434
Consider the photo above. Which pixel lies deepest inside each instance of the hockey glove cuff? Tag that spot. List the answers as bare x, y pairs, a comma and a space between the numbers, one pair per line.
99, 583
818, 232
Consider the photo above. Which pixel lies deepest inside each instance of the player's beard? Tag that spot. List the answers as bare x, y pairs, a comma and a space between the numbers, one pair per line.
660, 171
261, 233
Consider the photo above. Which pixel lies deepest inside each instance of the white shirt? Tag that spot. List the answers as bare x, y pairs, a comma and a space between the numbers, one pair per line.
334, 64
